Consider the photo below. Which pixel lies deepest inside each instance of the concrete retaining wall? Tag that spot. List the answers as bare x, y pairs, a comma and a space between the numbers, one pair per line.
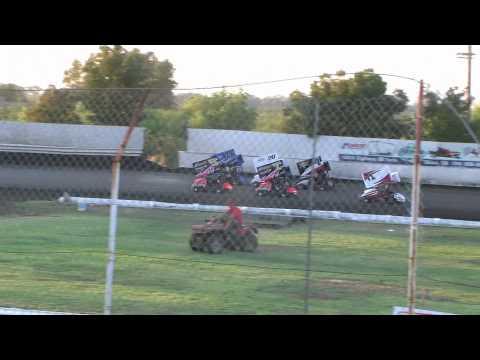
67, 139
454, 164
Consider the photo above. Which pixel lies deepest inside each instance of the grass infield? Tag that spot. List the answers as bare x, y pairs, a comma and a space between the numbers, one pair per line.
53, 258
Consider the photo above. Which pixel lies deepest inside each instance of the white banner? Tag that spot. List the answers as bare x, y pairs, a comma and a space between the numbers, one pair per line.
397, 310
15, 311
400, 152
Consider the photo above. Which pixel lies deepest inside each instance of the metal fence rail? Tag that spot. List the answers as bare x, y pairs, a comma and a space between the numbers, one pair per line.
294, 213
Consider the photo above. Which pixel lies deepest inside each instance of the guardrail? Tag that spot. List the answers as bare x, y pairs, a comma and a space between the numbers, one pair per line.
297, 213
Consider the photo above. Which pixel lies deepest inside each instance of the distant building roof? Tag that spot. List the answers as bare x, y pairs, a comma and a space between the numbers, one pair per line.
66, 139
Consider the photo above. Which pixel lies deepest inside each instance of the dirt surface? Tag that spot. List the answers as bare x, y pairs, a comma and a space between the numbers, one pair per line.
22, 183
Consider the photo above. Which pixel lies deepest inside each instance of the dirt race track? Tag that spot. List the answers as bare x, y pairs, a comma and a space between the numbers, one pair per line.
22, 183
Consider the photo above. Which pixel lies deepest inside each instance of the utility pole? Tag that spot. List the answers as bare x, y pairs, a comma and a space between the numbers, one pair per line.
468, 55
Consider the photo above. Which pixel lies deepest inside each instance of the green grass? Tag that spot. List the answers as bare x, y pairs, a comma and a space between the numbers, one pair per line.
53, 258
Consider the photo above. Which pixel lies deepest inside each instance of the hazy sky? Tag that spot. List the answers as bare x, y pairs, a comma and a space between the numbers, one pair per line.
210, 65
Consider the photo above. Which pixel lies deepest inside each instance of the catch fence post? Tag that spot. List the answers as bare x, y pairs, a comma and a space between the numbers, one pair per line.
112, 235
415, 199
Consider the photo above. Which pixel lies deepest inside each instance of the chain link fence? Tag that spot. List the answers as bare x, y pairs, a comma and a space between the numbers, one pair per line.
325, 201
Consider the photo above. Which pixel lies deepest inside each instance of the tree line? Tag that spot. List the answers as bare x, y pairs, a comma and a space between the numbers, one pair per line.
97, 92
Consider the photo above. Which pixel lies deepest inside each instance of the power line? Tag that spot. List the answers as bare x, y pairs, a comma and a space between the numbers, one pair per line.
215, 87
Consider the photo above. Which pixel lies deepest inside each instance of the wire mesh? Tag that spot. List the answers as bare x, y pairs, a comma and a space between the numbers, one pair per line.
448, 258
311, 157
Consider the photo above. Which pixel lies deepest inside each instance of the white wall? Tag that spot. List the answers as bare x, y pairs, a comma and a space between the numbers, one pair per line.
68, 139
365, 151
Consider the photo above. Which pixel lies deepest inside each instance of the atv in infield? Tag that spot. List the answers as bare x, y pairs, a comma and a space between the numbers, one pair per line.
214, 237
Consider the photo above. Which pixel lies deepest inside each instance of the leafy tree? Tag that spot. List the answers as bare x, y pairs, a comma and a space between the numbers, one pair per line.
476, 120
84, 115
13, 113
181, 98
299, 115
222, 110
270, 121
33, 94
55, 106
11, 93
165, 136
269, 103
14, 102
441, 123
117, 68
356, 106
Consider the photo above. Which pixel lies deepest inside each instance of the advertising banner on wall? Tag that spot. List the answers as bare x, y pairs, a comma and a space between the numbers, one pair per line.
401, 152
452, 164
